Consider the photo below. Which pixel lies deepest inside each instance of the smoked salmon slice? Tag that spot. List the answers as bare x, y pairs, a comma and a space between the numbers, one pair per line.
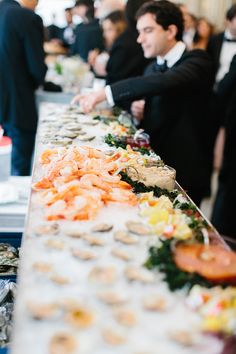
213, 262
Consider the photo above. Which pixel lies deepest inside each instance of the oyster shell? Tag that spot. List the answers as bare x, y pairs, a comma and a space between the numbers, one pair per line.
125, 237
121, 254
86, 120
9, 259
102, 228
182, 337
61, 142
85, 255
155, 303
55, 244
58, 279
73, 127
42, 311
134, 273
47, 229
42, 267
80, 317
138, 228
73, 232
63, 343
104, 275
86, 137
94, 241
112, 297
113, 336
67, 134
125, 317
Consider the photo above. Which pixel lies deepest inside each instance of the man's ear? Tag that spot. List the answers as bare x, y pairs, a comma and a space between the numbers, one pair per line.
173, 30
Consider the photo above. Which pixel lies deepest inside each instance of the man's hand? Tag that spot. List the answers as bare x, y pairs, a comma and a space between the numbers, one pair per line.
137, 109
89, 101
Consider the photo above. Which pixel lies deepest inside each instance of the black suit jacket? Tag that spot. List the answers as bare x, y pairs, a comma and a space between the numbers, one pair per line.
214, 49
22, 67
176, 114
227, 92
53, 32
224, 208
88, 37
126, 58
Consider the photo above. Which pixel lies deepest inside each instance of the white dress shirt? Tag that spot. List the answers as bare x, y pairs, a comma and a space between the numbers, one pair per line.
171, 58
228, 50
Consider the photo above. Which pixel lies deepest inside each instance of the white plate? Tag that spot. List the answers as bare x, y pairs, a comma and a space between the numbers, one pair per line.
8, 193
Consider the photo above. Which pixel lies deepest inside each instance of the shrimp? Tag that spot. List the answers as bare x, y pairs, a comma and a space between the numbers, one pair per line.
63, 168
66, 195
90, 152
78, 182
46, 156
90, 180
44, 183
122, 196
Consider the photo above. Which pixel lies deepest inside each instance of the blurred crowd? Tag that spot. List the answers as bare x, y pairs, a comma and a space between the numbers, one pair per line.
172, 70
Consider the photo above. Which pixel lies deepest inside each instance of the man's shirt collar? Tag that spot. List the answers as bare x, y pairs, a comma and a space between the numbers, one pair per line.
173, 55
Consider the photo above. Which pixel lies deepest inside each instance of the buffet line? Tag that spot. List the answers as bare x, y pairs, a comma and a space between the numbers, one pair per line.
116, 258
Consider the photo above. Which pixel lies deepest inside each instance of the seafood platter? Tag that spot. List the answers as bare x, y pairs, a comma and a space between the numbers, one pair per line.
115, 257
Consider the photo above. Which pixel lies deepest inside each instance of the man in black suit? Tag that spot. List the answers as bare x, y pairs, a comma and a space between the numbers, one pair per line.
88, 35
176, 89
22, 70
223, 217
68, 32
222, 46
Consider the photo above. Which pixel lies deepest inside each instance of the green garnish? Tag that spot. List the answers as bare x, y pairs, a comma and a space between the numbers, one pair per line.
162, 258
113, 140
139, 187
58, 69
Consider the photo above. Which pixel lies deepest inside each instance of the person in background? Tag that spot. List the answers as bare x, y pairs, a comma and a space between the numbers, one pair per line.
68, 32
203, 33
113, 26
190, 25
22, 70
52, 32
223, 216
222, 48
171, 100
190, 28
126, 55
88, 35
105, 7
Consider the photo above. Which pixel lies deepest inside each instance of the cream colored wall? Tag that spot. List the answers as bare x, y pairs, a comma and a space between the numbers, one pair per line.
214, 10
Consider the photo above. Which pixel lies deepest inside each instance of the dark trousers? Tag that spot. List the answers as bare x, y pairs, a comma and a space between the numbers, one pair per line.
224, 210
22, 150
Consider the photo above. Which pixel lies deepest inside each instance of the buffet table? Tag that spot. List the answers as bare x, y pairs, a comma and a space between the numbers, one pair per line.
83, 287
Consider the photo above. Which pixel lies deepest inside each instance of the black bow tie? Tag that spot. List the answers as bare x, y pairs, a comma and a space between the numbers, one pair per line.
233, 40
160, 67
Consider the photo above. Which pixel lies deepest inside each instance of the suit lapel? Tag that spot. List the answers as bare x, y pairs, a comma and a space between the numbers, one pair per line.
219, 44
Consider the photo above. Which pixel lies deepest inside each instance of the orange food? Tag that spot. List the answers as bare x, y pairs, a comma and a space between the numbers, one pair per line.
213, 262
79, 181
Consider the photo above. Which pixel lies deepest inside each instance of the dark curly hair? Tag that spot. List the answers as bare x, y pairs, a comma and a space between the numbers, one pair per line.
231, 13
166, 14
132, 6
